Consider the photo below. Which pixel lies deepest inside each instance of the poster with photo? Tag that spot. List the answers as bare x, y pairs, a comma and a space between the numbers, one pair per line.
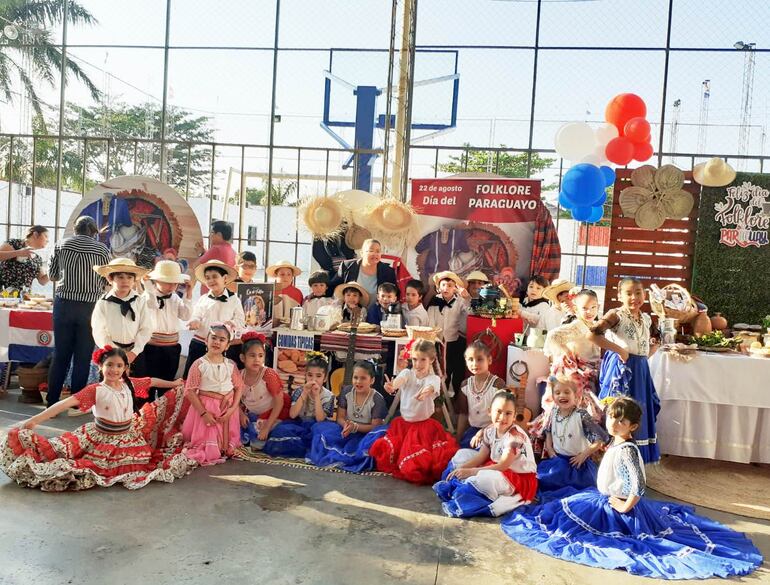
496, 225
398, 363
289, 355
257, 301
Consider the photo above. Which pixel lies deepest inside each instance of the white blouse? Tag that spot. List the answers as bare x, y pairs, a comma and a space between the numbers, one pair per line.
631, 335
480, 402
571, 337
417, 317
413, 410
621, 472
216, 378
515, 439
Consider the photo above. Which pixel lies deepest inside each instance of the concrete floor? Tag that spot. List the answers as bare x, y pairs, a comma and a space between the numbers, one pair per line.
253, 523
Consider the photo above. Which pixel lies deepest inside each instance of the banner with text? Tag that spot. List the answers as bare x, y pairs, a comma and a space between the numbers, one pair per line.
484, 224
732, 249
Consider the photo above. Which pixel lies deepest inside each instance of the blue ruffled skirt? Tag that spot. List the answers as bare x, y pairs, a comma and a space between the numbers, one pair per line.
633, 379
557, 472
465, 442
328, 448
290, 438
655, 539
460, 499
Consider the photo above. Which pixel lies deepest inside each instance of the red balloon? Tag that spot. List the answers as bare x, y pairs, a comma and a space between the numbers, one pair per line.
637, 130
642, 151
622, 108
619, 150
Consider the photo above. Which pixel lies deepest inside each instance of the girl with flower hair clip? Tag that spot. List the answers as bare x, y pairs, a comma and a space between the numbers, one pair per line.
214, 386
311, 403
120, 446
264, 402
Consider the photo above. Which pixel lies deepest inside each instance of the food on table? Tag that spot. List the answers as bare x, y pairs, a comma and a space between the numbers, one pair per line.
716, 339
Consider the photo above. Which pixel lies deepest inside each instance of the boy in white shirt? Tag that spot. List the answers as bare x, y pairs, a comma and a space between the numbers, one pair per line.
319, 285
449, 311
413, 310
121, 317
219, 305
162, 352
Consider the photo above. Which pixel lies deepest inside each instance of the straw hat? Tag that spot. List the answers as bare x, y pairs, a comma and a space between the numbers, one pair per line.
394, 222
355, 236
232, 274
338, 292
357, 205
120, 265
477, 275
271, 270
322, 216
446, 274
168, 271
713, 173
557, 287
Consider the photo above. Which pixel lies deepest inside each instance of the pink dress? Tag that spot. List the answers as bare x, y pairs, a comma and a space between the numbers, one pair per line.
210, 445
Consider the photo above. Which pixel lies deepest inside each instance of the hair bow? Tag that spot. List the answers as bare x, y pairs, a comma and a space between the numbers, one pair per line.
407, 353
254, 336
98, 354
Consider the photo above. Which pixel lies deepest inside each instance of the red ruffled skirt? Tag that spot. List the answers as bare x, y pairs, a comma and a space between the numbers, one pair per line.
524, 484
150, 450
417, 452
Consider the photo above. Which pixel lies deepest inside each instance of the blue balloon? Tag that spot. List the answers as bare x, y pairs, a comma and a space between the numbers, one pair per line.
583, 184
582, 213
608, 174
597, 213
602, 199
565, 202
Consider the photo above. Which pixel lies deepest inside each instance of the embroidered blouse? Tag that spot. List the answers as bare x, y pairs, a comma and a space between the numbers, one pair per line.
258, 396
571, 337
373, 407
220, 378
621, 472
475, 403
514, 440
111, 404
619, 327
575, 432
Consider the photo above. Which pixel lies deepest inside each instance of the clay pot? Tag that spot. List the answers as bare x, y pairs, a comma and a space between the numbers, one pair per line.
29, 381
718, 322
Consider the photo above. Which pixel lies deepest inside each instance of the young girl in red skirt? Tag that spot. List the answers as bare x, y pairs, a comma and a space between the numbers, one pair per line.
214, 386
416, 447
497, 478
118, 447
264, 402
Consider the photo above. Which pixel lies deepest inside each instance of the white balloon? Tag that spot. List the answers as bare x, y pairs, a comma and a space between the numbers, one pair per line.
592, 159
605, 133
575, 140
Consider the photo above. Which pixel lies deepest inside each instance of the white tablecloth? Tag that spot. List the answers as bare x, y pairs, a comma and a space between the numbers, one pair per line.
716, 406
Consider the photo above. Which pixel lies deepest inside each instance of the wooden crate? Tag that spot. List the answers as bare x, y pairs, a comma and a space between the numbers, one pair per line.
661, 256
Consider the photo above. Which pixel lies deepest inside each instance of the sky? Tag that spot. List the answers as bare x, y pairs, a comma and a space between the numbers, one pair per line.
494, 38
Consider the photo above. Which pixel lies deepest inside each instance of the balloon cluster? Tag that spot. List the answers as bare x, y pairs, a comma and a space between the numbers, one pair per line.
626, 113
584, 191
625, 137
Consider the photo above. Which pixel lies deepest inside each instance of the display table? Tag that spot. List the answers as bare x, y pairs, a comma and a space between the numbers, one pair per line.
25, 336
717, 406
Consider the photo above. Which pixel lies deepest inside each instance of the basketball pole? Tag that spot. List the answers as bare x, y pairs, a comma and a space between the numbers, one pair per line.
405, 65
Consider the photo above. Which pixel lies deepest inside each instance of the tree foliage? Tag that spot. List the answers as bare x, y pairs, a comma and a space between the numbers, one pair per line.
507, 164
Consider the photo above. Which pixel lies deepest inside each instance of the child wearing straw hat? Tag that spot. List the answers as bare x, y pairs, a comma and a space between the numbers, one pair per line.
283, 273
219, 305
121, 318
449, 311
353, 298
162, 352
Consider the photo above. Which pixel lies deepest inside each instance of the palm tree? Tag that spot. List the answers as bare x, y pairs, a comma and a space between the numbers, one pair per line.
33, 56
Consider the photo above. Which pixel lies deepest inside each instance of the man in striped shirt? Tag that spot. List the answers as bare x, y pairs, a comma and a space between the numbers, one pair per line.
78, 287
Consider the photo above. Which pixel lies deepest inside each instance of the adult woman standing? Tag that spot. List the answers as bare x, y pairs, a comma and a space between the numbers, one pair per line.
19, 265
368, 271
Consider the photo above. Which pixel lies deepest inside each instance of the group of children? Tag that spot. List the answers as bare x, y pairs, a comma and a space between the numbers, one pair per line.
564, 506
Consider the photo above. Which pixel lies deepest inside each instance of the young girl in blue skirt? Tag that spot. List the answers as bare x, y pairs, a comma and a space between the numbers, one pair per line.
572, 437
497, 478
613, 526
361, 411
626, 335
311, 404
